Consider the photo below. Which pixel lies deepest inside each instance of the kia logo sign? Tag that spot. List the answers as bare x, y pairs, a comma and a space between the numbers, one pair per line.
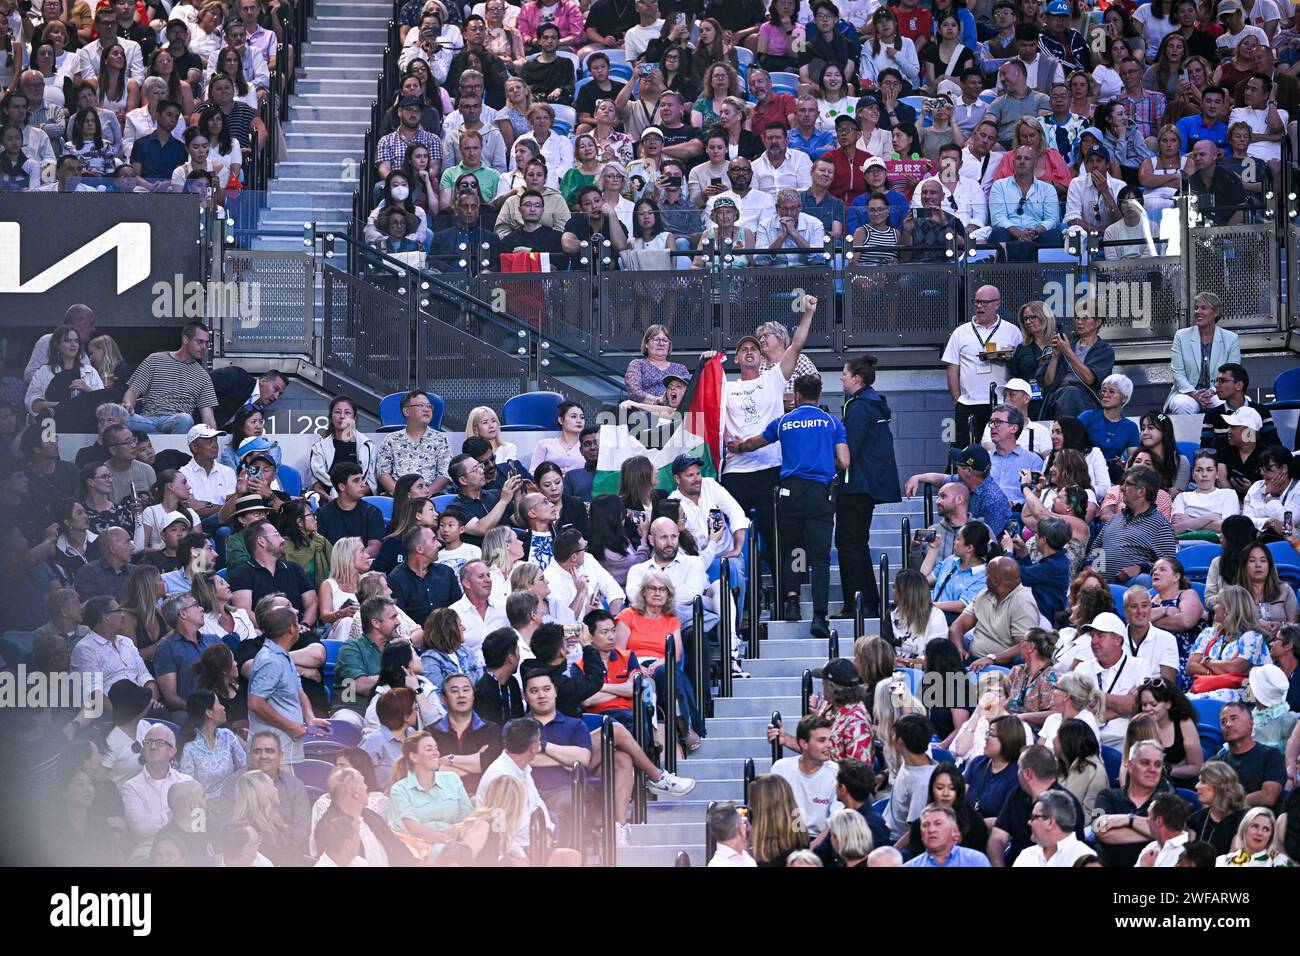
131, 240
107, 250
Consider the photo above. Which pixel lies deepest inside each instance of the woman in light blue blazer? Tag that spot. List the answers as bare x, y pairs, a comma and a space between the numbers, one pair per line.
1193, 389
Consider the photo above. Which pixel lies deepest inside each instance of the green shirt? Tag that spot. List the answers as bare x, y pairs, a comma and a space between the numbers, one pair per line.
440, 807
487, 179
358, 657
313, 557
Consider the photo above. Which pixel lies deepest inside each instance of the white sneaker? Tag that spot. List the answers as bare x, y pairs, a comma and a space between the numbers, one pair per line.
620, 834
671, 785
737, 671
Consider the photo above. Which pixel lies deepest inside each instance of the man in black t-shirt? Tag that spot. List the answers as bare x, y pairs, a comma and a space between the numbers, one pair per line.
1260, 768
599, 87
348, 516
1120, 814
607, 21
1038, 770
1221, 198
532, 236
681, 140
467, 742
266, 572
596, 217
189, 66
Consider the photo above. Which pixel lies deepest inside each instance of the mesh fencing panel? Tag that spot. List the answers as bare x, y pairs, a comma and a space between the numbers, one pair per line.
271, 301
367, 332
1055, 283
1239, 264
1138, 298
752, 296
557, 304
631, 301
899, 305
1293, 272
464, 370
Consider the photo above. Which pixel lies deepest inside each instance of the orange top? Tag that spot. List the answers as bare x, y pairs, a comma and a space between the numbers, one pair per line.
648, 634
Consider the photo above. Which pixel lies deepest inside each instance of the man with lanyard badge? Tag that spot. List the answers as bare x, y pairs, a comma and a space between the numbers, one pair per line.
814, 446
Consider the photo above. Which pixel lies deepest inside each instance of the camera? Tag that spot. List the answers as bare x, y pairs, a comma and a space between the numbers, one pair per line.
1287, 527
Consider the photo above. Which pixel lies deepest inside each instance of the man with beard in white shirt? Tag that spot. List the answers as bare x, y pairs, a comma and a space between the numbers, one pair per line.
1051, 825
107, 29
574, 574
962, 196
981, 156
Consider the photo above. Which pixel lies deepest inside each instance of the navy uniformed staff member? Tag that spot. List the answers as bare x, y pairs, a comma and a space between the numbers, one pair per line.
976, 356
814, 446
748, 405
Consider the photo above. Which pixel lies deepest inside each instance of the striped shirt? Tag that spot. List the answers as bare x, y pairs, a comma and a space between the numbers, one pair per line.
1129, 539
877, 239
169, 387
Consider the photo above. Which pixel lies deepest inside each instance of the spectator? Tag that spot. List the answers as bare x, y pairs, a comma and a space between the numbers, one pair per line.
1254, 842
1260, 768
1083, 772
1131, 542
1222, 806
1267, 122
1223, 655
1276, 494
1024, 209
421, 585
992, 775
110, 660
210, 753
144, 796
1018, 97
790, 228
999, 617
1117, 670
644, 376
1120, 819
348, 515
578, 481
173, 387
106, 575
1012, 834
1221, 199
266, 572
730, 833
1052, 825
940, 833
178, 653
416, 449
779, 827
1167, 819
497, 697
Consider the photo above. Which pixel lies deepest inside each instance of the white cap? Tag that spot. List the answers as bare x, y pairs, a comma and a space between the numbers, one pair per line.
171, 517
1017, 385
1107, 622
1245, 416
202, 431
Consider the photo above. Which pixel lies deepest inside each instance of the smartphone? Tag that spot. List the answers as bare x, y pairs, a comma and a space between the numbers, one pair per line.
572, 632
254, 472
744, 812
681, 19
1287, 527
350, 602
926, 535
1037, 476
715, 181
715, 519
671, 181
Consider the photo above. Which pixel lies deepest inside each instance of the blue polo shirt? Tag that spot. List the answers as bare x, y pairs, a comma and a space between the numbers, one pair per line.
1192, 128
808, 437
158, 161
816, 144
1113, 438
176, 655
959, 856
562, 731
1006, 470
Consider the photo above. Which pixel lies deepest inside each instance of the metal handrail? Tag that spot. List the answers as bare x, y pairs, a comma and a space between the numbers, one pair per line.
579, 795
537, 838
747, 777
609, 845
710, 844
886, 622
927, 499
699, 653
776, 744
805, 691
725, 633
670, 705
833, 645
640, 720
754, 589
682, 861
859, 616
778, 559
905, 533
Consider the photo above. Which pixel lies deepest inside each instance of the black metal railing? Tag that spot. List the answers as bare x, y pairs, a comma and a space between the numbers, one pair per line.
776, 741
609, 842
754, 589
579, 810
726, 635
927, 499
747, 777
698, 654
669, 705
886, 622
710, 844
859, 616
640, 733
833, 645
805, 692
905, 537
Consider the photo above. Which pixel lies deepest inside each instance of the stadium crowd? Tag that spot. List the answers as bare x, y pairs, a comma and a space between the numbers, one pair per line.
237, 615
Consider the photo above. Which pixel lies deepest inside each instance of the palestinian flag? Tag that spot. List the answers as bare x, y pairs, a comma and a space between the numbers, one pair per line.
698, 433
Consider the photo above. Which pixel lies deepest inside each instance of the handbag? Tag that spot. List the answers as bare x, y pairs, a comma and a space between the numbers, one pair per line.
1209, 682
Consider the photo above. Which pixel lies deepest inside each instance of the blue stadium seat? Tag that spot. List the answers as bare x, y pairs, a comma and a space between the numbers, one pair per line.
745, 57
332, 648
1113, 760
440, 502
1283, 553
593, 721
1188, 795
290, 480
532, 412
913, 677
1207, 712
616, 57
939, 755
577, 87
383, 503
1211, 739
390, 413
785, 83
341, 732
880, 806
1196, 559
565, 114
1286, 389
620, 71
1117, 592
313, 773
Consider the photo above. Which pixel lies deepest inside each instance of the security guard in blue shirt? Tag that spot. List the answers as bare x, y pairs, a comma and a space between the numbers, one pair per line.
814, 447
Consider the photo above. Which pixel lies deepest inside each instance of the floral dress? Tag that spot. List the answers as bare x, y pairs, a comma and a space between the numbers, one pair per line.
1185, 639
851, 733
1249, 646
1031, 693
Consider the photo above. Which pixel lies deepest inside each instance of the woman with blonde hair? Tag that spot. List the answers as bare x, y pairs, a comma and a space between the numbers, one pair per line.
220, 615
777, 826
502, 549
994, 694
527, 576
1075, 697
425, 825
445, 652
337, 599
774, 341
1220, 661
106, 358
257, 804
740, 141
874, 658
915, 618
142, 621
850, 837
492, 830
891, 700
1254, 843
645, 376
1222, 801
1049, 166
484, 423
1038, 326
1140, 728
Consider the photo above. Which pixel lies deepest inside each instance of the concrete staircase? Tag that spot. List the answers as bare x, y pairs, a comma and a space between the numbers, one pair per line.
738, 728
328, 118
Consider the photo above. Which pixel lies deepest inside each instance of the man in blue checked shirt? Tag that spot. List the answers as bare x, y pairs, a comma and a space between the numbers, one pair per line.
1025, 212
814, 446
939, 834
